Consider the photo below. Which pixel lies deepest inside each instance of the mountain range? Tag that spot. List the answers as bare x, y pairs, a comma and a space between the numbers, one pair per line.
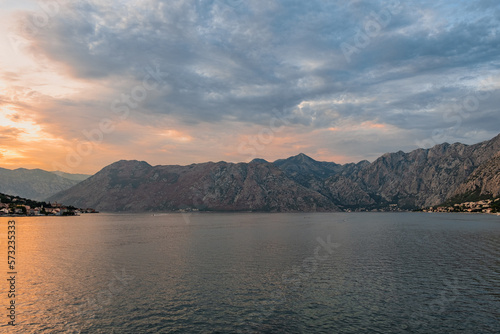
423, 177
36, 184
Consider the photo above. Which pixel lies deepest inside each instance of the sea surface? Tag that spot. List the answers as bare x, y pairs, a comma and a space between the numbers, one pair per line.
254, 273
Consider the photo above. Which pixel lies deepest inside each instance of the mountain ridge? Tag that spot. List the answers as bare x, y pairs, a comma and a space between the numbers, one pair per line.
412, 180
36, 184
221, 186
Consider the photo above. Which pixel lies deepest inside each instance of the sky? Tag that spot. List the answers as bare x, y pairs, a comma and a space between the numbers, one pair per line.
86, 83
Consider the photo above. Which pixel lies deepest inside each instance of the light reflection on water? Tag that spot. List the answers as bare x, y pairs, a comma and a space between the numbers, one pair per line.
262, 273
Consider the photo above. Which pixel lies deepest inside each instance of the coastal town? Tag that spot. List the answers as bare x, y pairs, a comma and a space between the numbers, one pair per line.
482, 206
17, 206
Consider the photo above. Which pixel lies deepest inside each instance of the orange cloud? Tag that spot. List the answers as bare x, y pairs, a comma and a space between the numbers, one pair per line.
176, 135
373, 125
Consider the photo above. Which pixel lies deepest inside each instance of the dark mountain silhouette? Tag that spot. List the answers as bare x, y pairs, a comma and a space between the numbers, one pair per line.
423, 177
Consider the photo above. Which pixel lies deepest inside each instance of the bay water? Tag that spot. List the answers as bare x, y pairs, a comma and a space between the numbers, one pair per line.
254, 273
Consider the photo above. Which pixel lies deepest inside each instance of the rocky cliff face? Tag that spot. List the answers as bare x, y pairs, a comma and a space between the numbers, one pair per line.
306, 170
36, 184
347, 193
423, 177
485, 180
137, 186
314, 174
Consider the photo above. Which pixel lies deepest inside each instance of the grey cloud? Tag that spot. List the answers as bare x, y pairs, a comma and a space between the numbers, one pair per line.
231, 60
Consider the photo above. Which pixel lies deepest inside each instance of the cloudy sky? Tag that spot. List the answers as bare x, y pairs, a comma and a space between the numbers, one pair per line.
86, 83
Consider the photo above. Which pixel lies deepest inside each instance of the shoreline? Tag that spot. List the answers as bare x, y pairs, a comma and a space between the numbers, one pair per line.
162, 213
76, 215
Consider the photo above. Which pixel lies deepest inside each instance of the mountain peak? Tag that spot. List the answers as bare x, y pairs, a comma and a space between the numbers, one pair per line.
301, 157
259, 160
130, 163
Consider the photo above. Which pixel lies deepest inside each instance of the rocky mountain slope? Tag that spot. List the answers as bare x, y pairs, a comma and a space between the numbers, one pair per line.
137, 186
423, 177
484, 181
306, 170
36, 184
312, 174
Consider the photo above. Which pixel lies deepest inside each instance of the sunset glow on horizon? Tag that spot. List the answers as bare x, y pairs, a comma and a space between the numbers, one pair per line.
84, 84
